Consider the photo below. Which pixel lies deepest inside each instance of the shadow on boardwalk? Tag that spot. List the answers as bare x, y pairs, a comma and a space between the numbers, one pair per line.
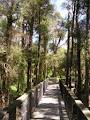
51, 106
62, 110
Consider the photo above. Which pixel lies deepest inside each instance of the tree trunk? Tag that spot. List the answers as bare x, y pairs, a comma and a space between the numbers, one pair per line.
45, 63
68, 53
79, 82
9, 28
3, 84
87, 53
23, 39
72, 40
29, 69
39, 44
8, 38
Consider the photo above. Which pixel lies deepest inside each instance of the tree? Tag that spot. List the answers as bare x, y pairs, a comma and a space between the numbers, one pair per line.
29, 16
72, 40
68, 53
87, 53
8, 10
57, 33
78, 36
44, 9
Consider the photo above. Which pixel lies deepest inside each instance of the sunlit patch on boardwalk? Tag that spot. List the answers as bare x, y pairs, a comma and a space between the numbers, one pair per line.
51, 106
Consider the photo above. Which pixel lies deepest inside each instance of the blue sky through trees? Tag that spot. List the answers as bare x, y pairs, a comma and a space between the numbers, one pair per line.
59, 8
63, 12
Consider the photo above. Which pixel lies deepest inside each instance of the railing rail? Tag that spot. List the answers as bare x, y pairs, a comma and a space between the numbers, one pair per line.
22, 107
75, 108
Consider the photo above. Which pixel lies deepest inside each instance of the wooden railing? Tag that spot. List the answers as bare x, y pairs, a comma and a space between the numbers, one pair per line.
23, 107
75, 108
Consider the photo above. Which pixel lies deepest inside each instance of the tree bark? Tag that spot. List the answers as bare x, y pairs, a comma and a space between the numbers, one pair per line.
87, 53
72, 40
39, 44
79, 82
23, 39
68, 53
29, 69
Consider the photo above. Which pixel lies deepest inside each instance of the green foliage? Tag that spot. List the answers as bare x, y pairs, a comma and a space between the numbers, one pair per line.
16, 67
3, 25
57, 61
13, 89
19, 19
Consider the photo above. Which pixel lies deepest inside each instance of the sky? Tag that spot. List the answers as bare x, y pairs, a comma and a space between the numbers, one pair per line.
58, 7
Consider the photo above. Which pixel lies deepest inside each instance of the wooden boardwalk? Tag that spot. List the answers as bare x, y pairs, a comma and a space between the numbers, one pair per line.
51, 106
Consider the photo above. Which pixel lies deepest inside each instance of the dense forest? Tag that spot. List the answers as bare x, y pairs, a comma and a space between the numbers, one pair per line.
31, 33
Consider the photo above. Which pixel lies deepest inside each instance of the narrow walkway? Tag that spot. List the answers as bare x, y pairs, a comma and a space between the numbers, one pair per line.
51, 106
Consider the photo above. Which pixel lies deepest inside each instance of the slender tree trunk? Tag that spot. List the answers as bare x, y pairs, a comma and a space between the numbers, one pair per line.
45, 63
55, 49
44, 58
79, 82
36, 73
39, 44
3, 84
23, 29
72, 40
87, 53
9, 28
55, 69
68, 53
29, 69
75, 65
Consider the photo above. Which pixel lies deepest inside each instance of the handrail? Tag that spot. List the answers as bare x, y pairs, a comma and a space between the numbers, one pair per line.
75, 108
23, 106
